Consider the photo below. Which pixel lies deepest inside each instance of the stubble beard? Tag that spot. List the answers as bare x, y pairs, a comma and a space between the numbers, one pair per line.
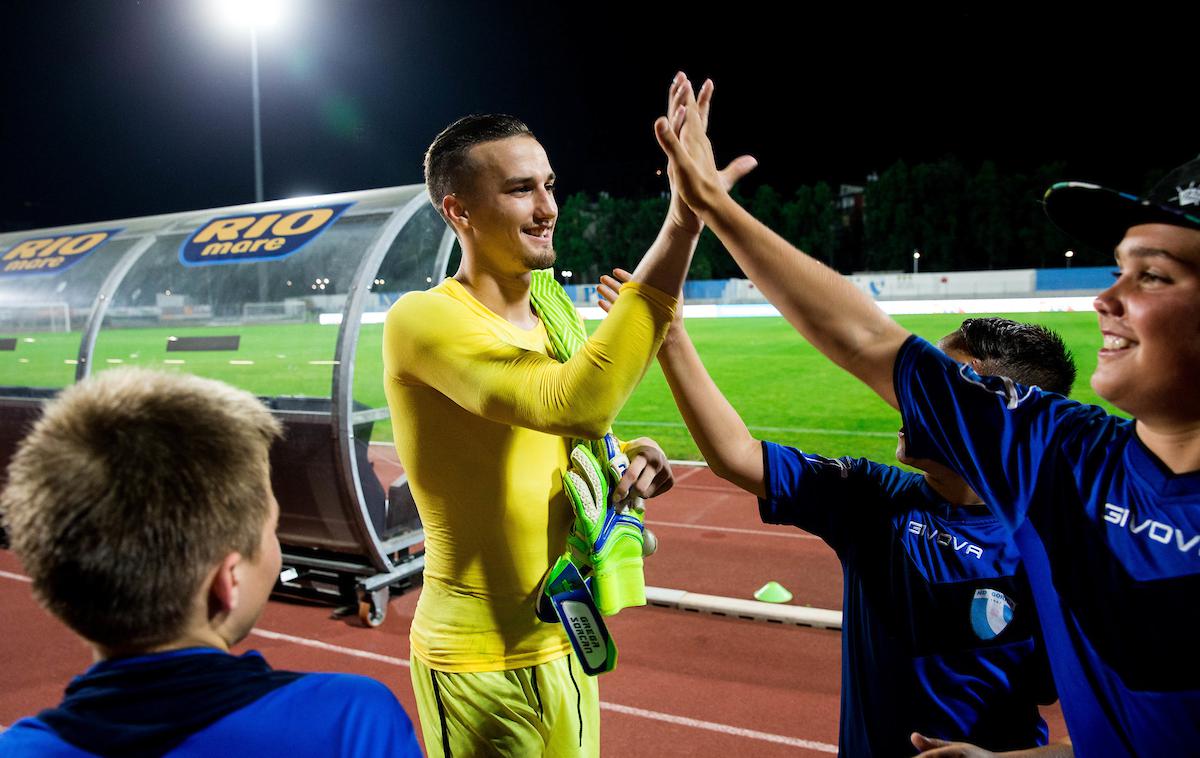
537, 260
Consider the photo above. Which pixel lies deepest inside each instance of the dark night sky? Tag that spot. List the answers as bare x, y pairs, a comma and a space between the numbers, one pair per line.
116, 108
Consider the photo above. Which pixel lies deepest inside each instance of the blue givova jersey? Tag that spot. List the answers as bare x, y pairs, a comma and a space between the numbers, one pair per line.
939, 630
1109, 536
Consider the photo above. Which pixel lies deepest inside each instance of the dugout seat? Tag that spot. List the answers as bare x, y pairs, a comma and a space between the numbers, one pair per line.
20, 407
307, 482
327, 536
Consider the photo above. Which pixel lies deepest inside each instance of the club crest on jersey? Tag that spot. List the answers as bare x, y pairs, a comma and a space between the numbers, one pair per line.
991, 613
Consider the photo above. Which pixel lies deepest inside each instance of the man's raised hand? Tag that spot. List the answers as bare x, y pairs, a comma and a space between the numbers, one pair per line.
682, 135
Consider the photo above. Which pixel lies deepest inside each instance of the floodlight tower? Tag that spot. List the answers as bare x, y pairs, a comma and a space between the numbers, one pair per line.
254, 15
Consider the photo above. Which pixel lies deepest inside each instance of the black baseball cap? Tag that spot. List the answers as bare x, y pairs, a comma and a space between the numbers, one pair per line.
1100, 216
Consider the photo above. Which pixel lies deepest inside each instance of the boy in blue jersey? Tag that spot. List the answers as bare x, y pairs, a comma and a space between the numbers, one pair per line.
1105, 510
940, 633
141, 507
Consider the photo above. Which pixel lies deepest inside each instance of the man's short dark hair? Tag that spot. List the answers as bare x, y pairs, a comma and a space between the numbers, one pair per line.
447, 161
1026, 353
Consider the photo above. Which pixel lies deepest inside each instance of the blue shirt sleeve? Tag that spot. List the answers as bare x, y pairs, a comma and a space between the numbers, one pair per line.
1000, 436
825, 496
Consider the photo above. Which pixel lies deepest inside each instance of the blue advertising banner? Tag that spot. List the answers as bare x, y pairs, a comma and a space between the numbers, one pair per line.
51, 255
266, 236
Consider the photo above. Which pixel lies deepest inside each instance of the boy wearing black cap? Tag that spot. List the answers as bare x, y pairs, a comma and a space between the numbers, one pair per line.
1105, 510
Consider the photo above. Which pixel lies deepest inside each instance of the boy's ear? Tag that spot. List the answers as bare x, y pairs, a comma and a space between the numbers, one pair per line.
223, 588
455, 211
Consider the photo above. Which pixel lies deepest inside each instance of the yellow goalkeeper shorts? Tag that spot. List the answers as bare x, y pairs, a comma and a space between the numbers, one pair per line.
548, 710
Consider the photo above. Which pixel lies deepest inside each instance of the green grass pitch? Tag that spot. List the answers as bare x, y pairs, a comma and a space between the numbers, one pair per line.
787, 392
782, 387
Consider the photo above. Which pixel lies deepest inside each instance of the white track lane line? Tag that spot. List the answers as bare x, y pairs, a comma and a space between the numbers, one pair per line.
736, 731
331, 648
711, 726
735, 530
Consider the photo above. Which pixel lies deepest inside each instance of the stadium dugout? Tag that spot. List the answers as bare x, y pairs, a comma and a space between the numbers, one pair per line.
269, 297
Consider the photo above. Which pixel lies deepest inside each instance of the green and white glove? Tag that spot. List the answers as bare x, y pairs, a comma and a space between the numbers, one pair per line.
610, 541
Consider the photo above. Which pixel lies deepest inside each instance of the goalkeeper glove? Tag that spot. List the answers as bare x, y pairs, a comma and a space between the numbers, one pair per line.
612, 542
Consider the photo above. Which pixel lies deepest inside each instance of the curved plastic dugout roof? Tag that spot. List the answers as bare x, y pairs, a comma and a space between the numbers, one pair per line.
70, 285
268, 296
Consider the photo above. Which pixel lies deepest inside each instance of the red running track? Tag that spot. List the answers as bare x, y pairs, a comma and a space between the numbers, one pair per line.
686, 684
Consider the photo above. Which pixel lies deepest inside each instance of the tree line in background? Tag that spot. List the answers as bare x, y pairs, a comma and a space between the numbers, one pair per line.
958, 219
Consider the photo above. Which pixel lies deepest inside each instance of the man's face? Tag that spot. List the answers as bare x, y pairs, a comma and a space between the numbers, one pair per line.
257, 577
1150, 323
510, 205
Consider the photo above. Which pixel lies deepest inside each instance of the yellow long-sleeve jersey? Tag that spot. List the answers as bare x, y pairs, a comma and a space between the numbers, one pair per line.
482, 417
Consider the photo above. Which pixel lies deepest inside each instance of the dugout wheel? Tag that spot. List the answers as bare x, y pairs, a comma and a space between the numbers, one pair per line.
372, 606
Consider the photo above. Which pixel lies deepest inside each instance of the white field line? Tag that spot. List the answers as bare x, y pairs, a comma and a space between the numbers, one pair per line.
752, 427
711, 726
772, 429
893, 307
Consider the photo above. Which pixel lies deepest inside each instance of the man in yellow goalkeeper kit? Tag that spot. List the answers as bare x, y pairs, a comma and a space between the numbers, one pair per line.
486, 408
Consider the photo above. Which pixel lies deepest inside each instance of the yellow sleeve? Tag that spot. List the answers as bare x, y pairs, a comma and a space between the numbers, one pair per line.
436, 341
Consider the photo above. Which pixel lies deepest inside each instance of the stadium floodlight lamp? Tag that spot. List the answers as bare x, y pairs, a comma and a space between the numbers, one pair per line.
256, 14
